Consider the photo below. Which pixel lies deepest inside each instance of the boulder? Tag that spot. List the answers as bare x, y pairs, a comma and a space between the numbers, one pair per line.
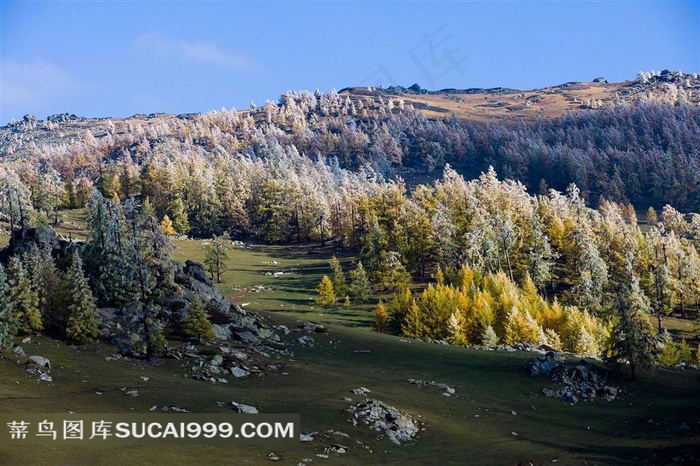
239, 372
41, 361
18, 351
243, 408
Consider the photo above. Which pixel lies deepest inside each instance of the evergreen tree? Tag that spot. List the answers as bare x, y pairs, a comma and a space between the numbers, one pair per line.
44, 276
339, 285
82, 318
25, 302
392, 275
196, 323
108, 259
178, 213
628, 341
360, 287
216, 253
8, 325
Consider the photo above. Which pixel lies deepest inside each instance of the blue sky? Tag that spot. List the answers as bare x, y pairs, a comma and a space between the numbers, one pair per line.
120, 58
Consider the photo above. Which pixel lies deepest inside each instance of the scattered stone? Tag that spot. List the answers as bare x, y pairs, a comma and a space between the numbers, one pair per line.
145, 378
514, 433
26, 340
305, 340
132, 393
243, 408
337, 449
41, 361
513, 413
153, 408
239, 372
398, 426
273, 457
322, 455
362, 391
315, 328
307, 437
45, 378
18, 351
448, 391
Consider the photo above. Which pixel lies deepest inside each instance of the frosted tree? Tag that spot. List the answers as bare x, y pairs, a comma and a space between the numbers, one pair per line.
15, 200
628, 341
8, 325
108, 259
50, 193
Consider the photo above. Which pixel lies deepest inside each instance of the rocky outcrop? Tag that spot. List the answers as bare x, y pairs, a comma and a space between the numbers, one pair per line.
576, 382
399, 427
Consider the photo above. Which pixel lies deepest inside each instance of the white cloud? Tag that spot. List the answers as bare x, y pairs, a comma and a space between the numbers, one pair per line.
33, 82
163, 46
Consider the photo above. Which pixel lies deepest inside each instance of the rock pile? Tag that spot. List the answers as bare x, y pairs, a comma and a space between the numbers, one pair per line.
581, 381
447, 390
396, 425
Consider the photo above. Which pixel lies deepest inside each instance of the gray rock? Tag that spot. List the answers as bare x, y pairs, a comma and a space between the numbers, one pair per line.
41, 361
221, 332
18, 351
196, 271
246, 337
305, 340
239, 372
217, 360
243, 408
45, 378
398, 426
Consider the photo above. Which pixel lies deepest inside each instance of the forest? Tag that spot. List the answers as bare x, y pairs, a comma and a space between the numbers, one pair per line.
529, 232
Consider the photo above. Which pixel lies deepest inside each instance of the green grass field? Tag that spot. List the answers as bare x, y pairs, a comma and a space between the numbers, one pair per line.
475, 426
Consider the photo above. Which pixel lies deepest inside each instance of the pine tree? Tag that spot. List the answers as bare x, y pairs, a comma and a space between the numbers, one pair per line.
179, 215
24, 299
44, 277
8, 325
82, 318
196, 323
628, 342
360, 287
216, 254
326, 294
339, 285
381, 318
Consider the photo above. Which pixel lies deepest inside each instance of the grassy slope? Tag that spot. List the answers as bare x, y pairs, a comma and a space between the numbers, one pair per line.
489, 384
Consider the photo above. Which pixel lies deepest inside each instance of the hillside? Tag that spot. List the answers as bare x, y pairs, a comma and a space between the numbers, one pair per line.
634, 141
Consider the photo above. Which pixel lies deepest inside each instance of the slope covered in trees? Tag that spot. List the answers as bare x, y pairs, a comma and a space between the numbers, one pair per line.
521, 259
